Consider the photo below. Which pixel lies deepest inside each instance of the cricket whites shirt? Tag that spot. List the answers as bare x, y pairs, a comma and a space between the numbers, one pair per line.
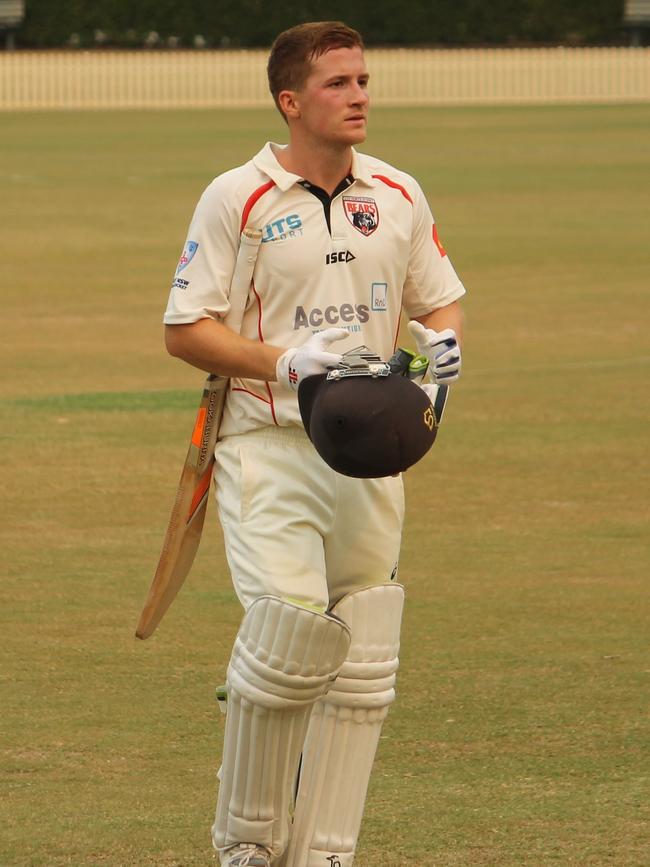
354, 261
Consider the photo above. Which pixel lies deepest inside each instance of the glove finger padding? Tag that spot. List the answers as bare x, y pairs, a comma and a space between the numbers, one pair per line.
447, 365
309, 359
418, 333
449, 357
428, 339
442, 350
324, 338
445, 338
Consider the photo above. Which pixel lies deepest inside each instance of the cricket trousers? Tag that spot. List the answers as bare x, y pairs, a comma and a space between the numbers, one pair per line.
307, 537
296, 529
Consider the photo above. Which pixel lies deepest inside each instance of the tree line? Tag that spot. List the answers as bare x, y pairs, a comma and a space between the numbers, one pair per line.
254, 23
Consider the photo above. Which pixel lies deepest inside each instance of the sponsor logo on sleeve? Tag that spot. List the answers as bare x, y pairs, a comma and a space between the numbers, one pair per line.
179, 283
187, 255
362, 212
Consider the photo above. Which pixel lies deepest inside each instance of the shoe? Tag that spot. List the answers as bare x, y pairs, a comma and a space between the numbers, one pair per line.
247, 855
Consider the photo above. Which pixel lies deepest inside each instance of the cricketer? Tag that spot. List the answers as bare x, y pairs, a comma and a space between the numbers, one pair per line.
348, 243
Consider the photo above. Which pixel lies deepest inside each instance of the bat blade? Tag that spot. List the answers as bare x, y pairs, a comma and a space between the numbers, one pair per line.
188, 512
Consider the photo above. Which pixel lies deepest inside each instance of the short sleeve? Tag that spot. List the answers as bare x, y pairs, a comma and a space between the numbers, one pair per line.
431, 281
201, 284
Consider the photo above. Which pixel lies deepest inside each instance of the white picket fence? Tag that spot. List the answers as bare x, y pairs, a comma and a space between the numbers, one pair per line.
214, 79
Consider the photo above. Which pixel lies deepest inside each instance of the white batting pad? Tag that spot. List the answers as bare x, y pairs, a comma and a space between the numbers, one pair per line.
344, 730
284, 658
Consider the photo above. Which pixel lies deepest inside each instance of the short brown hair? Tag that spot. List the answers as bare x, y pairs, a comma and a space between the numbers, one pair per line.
294, 50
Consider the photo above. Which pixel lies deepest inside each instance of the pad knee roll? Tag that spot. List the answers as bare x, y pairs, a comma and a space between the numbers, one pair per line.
286, 655
367, 677
283, 660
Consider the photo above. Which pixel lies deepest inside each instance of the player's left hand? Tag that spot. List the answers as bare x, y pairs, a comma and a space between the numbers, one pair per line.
442, 350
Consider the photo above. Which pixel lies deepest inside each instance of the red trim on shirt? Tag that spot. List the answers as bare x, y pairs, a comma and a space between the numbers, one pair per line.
261, 339
259, 314
394, 185
436, 241
252, 199
270, 394
252, 393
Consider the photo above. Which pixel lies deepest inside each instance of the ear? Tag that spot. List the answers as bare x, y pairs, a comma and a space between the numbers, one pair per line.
289, 104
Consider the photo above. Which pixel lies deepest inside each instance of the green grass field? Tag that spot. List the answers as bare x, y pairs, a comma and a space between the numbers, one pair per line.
521, 734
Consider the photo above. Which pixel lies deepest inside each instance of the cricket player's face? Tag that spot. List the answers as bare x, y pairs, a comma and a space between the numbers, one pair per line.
333, 103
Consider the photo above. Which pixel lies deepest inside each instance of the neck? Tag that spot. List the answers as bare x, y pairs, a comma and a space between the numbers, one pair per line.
323, 165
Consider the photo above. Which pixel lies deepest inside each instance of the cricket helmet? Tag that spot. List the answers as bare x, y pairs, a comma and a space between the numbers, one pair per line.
365, 421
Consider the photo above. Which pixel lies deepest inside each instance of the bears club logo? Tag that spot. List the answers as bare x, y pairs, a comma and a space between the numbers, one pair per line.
362, 213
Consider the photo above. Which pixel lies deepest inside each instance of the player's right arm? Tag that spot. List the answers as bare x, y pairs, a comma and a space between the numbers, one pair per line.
213, 347
196, 317
199, 301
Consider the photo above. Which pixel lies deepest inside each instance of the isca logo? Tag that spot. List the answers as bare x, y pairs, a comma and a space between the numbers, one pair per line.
339, 256
334, 860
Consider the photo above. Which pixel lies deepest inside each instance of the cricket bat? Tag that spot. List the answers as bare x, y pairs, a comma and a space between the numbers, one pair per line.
185, 526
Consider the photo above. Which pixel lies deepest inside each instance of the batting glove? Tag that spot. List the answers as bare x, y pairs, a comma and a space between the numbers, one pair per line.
442, 350
312, 357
